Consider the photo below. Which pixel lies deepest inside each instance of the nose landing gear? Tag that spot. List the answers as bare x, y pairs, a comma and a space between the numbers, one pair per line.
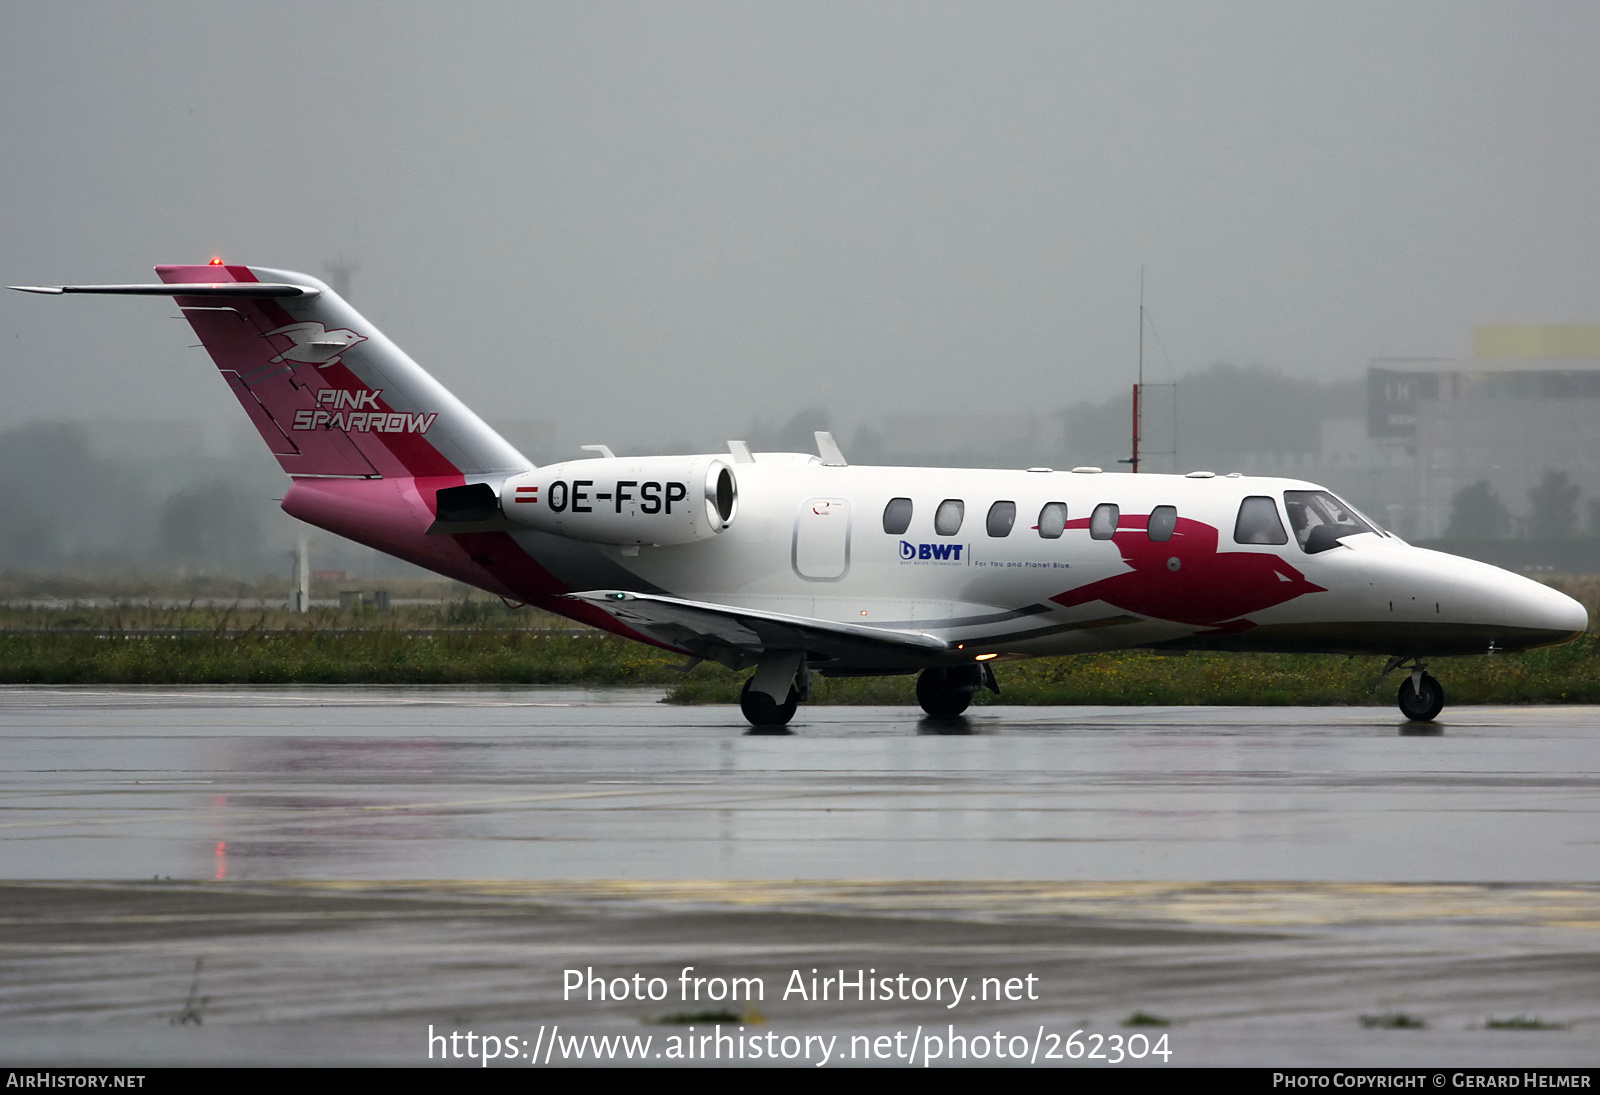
1421, 697
1421, 701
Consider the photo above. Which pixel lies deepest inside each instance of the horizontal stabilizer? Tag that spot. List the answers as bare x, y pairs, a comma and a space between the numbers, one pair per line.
225, 289
736, 637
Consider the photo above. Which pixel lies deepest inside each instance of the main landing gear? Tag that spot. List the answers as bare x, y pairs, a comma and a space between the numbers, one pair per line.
947, 691
1421, 697
944, 692
761, 710
780, 671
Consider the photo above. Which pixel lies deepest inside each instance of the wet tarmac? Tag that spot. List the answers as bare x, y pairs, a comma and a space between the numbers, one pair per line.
349, 866
342, 783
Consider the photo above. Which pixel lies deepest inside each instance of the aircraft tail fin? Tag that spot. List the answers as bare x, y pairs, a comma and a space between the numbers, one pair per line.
327, 391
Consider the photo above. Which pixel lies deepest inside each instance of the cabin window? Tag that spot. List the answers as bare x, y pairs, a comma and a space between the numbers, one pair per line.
947, 518
1163, 522
1052, 519
1320, 520
1002, 515
897, 516
1103, 521
1258, 522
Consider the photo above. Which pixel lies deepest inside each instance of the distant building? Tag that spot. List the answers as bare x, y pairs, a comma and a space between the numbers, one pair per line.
1528, 400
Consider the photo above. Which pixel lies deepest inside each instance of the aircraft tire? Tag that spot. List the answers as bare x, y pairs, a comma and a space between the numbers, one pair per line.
946, 692
760, 709
1423, 705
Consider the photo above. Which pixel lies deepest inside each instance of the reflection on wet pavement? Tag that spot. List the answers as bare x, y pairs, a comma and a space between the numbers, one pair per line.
560, 784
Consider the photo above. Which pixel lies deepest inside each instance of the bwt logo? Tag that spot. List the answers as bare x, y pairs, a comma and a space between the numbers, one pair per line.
930, 553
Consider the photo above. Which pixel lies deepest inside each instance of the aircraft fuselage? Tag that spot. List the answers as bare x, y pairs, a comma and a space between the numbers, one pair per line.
810, 540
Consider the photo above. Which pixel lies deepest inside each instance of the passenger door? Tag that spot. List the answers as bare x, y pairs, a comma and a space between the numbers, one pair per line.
821, 551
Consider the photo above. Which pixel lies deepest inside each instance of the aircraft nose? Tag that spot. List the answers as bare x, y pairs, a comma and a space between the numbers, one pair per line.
1551, 610
1511, 610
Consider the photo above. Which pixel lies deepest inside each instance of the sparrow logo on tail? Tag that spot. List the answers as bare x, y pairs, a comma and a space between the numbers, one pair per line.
314, 344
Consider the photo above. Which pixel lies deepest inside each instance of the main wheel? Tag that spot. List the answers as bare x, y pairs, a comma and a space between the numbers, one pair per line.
1424, 704
946, 692
761, 709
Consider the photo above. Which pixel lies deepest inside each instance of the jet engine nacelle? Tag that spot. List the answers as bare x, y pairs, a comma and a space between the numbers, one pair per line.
622, 500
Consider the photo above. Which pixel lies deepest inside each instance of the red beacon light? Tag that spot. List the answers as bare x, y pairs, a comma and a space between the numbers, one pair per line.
216, 260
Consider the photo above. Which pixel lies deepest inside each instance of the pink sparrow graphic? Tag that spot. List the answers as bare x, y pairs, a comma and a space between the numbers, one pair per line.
314, 344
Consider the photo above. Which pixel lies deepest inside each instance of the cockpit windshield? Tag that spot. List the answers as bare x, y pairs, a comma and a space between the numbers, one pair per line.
1320, 520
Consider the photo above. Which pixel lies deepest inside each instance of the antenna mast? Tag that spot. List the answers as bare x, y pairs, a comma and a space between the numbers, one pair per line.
1138, 387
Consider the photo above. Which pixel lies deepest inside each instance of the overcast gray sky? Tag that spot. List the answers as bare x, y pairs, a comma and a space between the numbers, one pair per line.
666, 219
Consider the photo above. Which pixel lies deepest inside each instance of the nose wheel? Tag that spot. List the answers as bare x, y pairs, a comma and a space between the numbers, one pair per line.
1421, 698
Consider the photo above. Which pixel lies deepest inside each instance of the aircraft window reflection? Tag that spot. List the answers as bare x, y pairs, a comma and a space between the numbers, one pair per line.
1002, 515
1103, 521
1258, 522
1320, 520
1163, 522
897, 516
947, 518
1052, 519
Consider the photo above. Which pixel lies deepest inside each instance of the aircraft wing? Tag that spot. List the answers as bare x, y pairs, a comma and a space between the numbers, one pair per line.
737, 637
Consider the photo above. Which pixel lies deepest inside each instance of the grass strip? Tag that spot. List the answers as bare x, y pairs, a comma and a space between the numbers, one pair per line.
1567, 674
380, 656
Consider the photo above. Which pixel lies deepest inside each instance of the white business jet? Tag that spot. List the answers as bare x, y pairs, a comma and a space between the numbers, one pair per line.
793, 564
